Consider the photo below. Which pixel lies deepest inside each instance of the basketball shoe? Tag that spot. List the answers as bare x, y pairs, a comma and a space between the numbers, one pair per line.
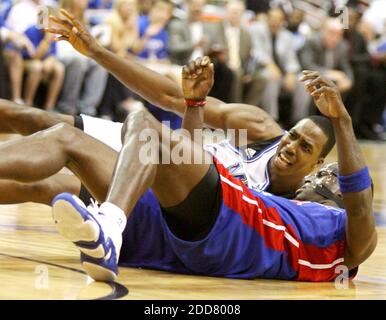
97, 235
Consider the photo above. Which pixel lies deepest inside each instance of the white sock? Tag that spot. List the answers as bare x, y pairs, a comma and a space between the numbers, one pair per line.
114, 213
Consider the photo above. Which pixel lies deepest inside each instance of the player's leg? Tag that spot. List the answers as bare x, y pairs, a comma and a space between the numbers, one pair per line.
15, 118
99, 236
162, 177
43, 191
43, 154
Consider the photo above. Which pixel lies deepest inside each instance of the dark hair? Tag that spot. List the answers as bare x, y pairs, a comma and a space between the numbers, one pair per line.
325, 125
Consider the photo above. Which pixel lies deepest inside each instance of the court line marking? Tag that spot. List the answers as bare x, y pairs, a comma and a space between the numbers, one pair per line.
369, 279
117, 290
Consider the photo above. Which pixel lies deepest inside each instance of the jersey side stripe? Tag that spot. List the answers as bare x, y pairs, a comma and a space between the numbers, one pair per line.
278, 231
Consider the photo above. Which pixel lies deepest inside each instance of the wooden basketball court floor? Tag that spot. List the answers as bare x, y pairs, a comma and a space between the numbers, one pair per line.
37, 263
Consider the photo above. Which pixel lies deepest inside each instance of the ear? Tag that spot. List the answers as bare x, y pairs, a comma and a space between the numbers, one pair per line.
319, 163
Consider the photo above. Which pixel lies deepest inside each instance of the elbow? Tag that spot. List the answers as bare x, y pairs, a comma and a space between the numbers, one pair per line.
357, 257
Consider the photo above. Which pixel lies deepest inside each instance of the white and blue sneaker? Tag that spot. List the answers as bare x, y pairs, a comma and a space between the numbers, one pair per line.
97, 237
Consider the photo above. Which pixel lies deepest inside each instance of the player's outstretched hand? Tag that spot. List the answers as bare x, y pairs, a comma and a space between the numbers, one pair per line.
325, 94
197, 79
71, 30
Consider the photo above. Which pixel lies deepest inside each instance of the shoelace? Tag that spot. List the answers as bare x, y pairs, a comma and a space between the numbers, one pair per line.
94, 207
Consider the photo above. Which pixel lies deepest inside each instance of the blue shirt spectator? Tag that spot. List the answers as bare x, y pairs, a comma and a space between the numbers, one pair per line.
5, 7
36, 36
157, 45
100, 4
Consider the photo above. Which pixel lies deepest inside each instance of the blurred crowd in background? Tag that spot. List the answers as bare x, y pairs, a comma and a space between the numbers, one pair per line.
259, 48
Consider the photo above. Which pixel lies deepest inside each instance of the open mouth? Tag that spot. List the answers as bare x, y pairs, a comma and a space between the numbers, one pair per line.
283, 160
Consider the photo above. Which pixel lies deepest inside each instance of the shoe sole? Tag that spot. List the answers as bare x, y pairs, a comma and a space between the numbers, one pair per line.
73, 226
98, 272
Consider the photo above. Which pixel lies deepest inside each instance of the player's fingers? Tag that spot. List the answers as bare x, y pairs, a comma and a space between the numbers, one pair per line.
309, 71
322, 90
61, 38
74, 21
211, 71
198, 68
319, 81
310, 89
185, 72
192, 67
309, 76
205, 61
64, 23
57, 31
211, 68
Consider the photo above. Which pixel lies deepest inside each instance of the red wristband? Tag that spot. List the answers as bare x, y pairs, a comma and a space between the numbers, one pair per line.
195, 103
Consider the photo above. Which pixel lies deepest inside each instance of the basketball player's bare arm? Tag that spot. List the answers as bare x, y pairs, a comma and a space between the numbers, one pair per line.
197, 80
161, 91
361, 236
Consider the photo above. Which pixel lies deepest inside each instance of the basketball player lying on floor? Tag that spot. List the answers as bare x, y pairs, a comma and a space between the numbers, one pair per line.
277, 165
70, 154
279, 238
272, 161
247, 234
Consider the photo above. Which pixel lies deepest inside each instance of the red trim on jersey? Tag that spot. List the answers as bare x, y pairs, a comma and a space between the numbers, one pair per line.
266, 221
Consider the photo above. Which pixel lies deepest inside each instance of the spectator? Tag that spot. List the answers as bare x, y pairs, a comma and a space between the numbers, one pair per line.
14, 59
23, 15
123, 22
85, 80
371, 118
187, 36
153, 48
276, 56
124, 32
144, 7
20, 17
100, 4
42, 66
233, 43
153, 40
327, 52
360, 60
300, 30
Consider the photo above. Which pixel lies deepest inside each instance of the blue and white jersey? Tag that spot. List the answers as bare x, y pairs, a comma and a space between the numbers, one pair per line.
249, 165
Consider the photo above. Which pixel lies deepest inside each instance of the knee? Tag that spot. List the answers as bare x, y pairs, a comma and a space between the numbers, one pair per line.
64, 134
59, 69
36, 66
15, 58
137, 121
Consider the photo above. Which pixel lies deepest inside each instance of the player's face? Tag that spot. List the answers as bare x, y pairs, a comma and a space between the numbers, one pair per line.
326, 178
299, 151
